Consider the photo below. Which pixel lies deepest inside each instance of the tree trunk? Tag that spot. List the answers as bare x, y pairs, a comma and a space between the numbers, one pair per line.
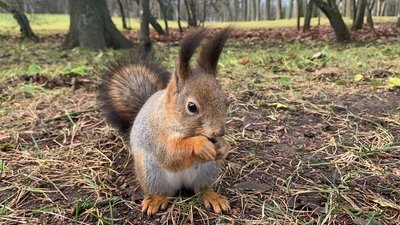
398, 15
91, 27
164, 6
204, 12
121, 9
228, 7
22, 20
348, 7
298, 10
156, 25
127, 14
249, 10
191, 11
290, 10
245, 10
254, 10
307, 17
278, 9
144, 24
236, 5
331, 11
267, 9
359, 19
370, 6
257, 9
178, 10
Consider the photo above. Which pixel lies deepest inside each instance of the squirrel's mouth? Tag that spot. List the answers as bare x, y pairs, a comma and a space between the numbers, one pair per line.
213, 140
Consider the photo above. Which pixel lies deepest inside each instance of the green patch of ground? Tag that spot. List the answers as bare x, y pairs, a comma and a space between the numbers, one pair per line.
314, 129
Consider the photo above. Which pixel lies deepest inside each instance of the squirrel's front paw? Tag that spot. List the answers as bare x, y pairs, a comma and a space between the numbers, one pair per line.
205, 149
222, 147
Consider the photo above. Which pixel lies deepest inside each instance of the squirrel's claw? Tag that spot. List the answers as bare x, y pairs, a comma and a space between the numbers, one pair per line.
223, 148
218, 202
152, 203
206, 150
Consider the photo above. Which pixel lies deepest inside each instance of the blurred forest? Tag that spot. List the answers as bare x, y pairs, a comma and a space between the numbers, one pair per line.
198, 12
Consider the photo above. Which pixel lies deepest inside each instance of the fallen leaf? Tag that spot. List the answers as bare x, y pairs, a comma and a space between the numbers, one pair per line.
243, 61
358, 77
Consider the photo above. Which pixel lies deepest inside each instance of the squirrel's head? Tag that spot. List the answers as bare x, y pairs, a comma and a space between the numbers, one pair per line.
194, 95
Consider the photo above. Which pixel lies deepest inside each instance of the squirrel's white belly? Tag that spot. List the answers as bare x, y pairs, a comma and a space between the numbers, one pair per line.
183, 179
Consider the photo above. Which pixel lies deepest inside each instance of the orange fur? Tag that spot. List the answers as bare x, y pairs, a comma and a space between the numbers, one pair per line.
218, 202
152, 203
183, 152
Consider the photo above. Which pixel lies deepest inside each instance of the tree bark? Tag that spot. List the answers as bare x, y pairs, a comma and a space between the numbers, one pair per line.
178, 10
370, 6
278, 9
359, 18
121, 9
298, 10
144, 39
156, 25
191, 11
91, 27
349, 7
22, 20
228, 7
331, 11
267, 9
244, 9
236, 6
204, 12
307, 17
290, 10
164, 6
398, 15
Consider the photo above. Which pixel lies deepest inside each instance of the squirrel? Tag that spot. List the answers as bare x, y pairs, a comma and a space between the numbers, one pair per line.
174, 123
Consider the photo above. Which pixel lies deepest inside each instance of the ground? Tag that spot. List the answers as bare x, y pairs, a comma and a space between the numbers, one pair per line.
314, 128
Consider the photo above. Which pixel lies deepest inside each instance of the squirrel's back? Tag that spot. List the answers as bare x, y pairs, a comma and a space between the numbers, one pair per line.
127, 84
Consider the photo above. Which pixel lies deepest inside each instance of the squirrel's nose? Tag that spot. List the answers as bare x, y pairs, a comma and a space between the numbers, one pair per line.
219, 132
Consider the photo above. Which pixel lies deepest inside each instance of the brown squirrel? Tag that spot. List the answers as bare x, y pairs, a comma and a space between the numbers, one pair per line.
174, 122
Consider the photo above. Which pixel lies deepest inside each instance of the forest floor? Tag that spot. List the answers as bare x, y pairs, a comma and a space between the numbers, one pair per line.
314, 128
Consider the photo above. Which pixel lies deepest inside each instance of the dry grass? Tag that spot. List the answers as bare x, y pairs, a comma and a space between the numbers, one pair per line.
304, 151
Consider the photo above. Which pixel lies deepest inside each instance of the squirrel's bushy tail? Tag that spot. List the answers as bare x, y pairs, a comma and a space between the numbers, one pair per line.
127, 83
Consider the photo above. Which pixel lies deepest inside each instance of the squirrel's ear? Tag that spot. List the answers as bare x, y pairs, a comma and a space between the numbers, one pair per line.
188, 48
211, 50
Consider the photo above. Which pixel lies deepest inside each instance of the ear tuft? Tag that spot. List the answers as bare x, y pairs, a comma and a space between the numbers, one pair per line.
188, 48
211, 50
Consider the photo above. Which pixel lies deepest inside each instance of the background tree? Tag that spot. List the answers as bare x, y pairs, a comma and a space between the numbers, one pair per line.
360, 12
331, 11
278, 9
369, 8
267, 9
165, 5
191, 12
122, 11
91, 27
144, 24
22, 20
398, 14
307, 17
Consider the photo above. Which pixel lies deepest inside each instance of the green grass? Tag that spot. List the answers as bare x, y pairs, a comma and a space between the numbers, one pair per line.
51, 23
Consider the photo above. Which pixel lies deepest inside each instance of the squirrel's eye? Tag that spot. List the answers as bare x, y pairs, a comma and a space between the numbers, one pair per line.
192, 107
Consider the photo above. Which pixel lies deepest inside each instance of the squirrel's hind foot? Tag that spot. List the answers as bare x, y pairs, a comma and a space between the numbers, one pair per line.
218, 202
151, 204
